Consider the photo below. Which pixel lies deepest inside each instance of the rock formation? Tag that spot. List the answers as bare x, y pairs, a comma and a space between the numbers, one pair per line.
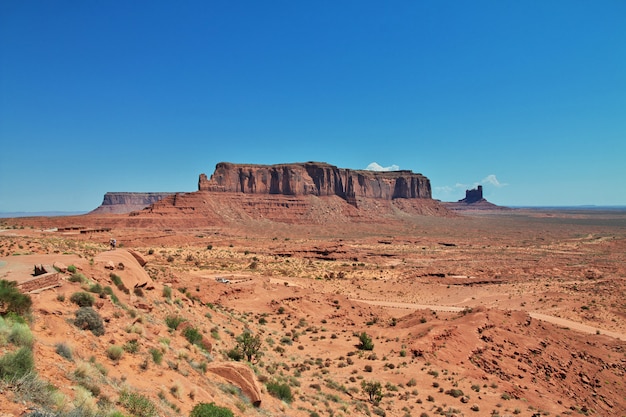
473, 196
119, 203
315, 178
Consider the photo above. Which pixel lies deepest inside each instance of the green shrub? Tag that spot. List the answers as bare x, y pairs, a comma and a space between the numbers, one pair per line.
280, 391
167, 292
21, 335
132, 346
96, 289
138, 405
88, 319
16, 364
82, 299
12, 300
210, 410
456, 393
64, 351
157, 355
235, 354
71, 269
174, 321
193, 335
117, 280
77, 277
115, 352
365, 342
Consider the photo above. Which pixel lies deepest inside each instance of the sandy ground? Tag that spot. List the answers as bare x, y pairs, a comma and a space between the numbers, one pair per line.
523, 313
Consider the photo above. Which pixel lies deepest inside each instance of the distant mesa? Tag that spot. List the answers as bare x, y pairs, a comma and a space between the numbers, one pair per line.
121, 203
309, 192
315, 178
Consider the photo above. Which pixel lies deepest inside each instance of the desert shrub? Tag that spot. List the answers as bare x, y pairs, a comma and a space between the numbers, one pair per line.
157, 355
117, 280
249, 344
167, 292
71, 269
235, 354
138, 405
88, 319
16, 364
21, 335
456, 393
365, 342
115, 352
174, 321
12, 300
96, 289
77, 277
64, 351
192, 335
368, 368
132, 346
280, 391
210, 410
82, 299
374, 391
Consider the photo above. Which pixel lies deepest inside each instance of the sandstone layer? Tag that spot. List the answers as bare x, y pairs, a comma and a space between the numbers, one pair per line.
315, 178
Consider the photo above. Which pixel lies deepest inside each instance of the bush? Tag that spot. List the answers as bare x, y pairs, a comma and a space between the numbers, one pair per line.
71, 269
210, 410
174, 321
77, 277
138, 404
21, 335
280, 391
374, 391
64, 351
365, 342
157, 355
115, 352
456, 393
132, 346
88, 319
12, 300
167, 292
193, 335
16, 364
82, 299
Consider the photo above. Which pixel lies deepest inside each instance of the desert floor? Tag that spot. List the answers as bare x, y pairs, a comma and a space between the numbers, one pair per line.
486, 313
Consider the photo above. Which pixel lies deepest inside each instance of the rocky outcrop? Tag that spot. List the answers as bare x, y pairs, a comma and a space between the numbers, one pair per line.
120, 203
473, 196
315, 178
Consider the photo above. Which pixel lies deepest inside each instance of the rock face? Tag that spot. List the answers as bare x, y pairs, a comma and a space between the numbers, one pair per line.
315, 178
119, 203
473, 196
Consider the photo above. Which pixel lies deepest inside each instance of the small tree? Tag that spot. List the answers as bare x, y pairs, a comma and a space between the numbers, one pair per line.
374, 390
249, 345
365, 342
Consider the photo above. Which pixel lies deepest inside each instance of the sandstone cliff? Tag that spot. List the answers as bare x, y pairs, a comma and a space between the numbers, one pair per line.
315, 178
119, 203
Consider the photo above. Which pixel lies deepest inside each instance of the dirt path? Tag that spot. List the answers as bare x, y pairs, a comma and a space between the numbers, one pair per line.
539, 316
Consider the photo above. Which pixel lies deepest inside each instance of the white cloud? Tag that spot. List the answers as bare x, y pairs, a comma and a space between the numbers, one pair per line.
491, 179
376, 167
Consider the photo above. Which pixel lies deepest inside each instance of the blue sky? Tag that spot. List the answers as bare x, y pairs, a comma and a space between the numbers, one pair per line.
527, 98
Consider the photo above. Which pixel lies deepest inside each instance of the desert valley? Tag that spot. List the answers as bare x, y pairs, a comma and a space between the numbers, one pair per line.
309, 290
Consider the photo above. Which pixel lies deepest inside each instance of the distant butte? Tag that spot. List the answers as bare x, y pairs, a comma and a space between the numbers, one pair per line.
474, 200
309, 192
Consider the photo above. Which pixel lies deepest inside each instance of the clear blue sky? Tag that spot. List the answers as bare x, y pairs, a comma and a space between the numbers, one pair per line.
527, 98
